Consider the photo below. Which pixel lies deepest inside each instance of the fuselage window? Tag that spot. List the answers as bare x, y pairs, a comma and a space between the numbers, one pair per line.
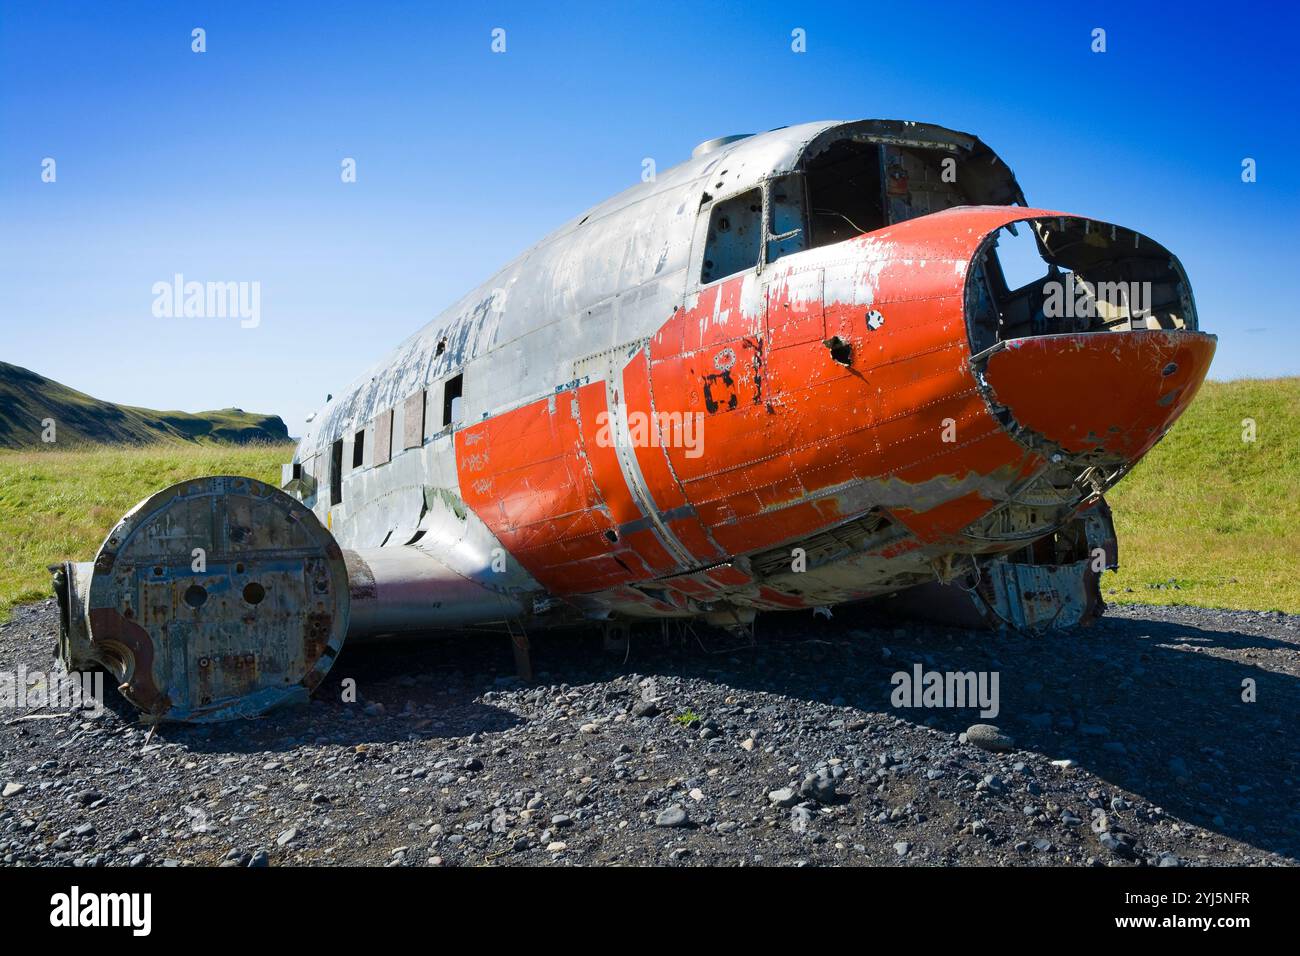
451, 398
735, 232
359, 449
785, 228
336, 472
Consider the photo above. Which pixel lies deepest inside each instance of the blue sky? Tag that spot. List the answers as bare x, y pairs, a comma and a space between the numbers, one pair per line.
225, 165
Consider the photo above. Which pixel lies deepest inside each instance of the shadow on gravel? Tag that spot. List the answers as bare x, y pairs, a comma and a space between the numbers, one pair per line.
1143, 705
403, 691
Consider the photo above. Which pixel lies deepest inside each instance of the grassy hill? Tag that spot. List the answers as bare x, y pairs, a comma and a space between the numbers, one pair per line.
1209, 519
1205, 519
27, 399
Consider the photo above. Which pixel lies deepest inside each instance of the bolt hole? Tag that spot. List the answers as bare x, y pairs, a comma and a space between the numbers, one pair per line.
254, 593
196, 596
239, 569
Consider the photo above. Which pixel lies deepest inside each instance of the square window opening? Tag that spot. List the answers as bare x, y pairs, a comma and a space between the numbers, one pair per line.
735, 233
451, 399
844, 193
336, 472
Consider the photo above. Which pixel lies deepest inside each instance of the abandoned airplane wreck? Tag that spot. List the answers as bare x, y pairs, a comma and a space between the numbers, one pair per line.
801, 368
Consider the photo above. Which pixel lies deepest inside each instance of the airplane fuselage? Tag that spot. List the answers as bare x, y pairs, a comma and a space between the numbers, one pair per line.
699, 399
802, 368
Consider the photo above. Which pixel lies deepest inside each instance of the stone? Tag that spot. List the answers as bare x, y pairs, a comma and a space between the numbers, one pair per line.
785, 797
989, 737
1120, 844
674, 816
819, 786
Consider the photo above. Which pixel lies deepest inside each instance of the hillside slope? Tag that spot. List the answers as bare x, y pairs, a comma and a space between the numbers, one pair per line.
1210, 519
27, 399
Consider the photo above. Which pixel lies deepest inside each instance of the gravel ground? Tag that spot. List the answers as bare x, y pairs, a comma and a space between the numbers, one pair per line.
1130, 744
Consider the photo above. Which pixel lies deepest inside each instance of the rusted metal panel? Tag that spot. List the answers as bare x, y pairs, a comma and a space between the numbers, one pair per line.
383, 437
214, 598
413, 420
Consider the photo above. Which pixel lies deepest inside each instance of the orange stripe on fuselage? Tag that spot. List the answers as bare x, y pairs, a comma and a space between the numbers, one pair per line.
793, 440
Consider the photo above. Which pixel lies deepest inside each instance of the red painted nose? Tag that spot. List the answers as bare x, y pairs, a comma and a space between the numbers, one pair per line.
1113, 393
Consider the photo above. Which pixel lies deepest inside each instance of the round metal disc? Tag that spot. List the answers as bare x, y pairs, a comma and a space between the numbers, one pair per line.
216, 598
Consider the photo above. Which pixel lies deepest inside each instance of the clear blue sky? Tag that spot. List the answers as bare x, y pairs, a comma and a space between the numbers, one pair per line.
225, 165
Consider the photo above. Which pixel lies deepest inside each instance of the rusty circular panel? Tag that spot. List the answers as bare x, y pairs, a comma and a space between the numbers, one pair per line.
217, 598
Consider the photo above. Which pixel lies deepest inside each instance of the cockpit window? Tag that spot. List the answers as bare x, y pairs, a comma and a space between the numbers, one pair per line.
844, 192
735, 234
786, 233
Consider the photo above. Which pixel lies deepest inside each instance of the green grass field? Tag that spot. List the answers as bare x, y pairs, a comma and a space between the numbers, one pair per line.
1216, 516
1205, 519
59, 505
